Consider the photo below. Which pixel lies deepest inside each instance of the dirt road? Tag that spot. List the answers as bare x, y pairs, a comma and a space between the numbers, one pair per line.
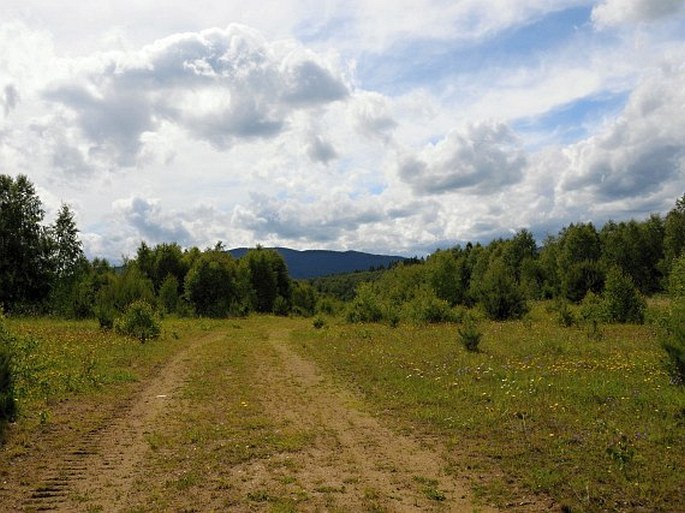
178, 443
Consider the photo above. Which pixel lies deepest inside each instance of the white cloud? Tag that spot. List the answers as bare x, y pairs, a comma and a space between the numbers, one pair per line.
147, 217
320, 150
372, 114
642, 150
221, 85
379, 25
610, 13
262, 132
481, 158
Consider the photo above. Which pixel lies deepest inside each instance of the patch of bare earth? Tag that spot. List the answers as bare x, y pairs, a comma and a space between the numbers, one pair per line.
354, 463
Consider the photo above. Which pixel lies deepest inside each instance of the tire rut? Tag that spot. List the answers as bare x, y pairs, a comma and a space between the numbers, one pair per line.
357, 462
99, 470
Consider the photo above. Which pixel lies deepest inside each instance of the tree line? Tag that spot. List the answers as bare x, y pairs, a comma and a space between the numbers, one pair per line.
609, 270
43, 270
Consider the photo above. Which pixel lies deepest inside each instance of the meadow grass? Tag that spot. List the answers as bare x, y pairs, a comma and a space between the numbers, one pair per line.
55, 360
591, 421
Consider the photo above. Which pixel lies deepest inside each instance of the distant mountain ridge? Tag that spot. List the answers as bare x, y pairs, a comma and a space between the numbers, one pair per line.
313, 263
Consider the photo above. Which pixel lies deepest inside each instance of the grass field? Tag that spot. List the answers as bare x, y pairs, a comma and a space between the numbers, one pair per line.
56, 360
591, 422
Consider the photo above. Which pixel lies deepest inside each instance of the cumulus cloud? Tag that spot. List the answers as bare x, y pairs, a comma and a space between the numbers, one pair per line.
610, 13
206, 116
481, 158
219, 84
322, 221
320, 150
9, 99
372, 115
639, 152
151, 223
307, 83
113, 122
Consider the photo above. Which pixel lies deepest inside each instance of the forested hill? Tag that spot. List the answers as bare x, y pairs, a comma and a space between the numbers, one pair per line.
314, 263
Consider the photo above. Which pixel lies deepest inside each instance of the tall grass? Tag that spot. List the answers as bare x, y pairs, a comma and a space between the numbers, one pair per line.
54, 360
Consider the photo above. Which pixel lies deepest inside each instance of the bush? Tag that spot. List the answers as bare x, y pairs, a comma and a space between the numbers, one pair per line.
592, 313
592, 308
676, 280
281, 306
7, 403
318, 322
500, 295
622, 301
212, 285
328, 305
139, 321
105, 315
365, 307
426, 307
674, 341
168, 294
469, 334
565, 315
580, 278
304, 299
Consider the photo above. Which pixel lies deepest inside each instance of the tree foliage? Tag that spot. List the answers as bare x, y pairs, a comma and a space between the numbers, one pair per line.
261, 266
212, 285
139, 321
24, 245
43, 269
674, 340
674, 234
500, 294
578, 264
622, 300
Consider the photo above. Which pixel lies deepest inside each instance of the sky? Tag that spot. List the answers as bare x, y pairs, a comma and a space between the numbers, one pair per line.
394, 127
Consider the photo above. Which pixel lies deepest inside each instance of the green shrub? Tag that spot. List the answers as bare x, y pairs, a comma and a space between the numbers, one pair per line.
168, 294
675, 350
676, 280
105, 315
304, 299
622, 301
579, 278
592, 314
674, 341
592, 308
139, 321
500, 295
281, 306
565, 315
469, 334
365, 307
7, 402
425, 307
318, 322
328, 305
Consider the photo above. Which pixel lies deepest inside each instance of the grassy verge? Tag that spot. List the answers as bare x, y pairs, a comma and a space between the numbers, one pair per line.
56, 360
592, 422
